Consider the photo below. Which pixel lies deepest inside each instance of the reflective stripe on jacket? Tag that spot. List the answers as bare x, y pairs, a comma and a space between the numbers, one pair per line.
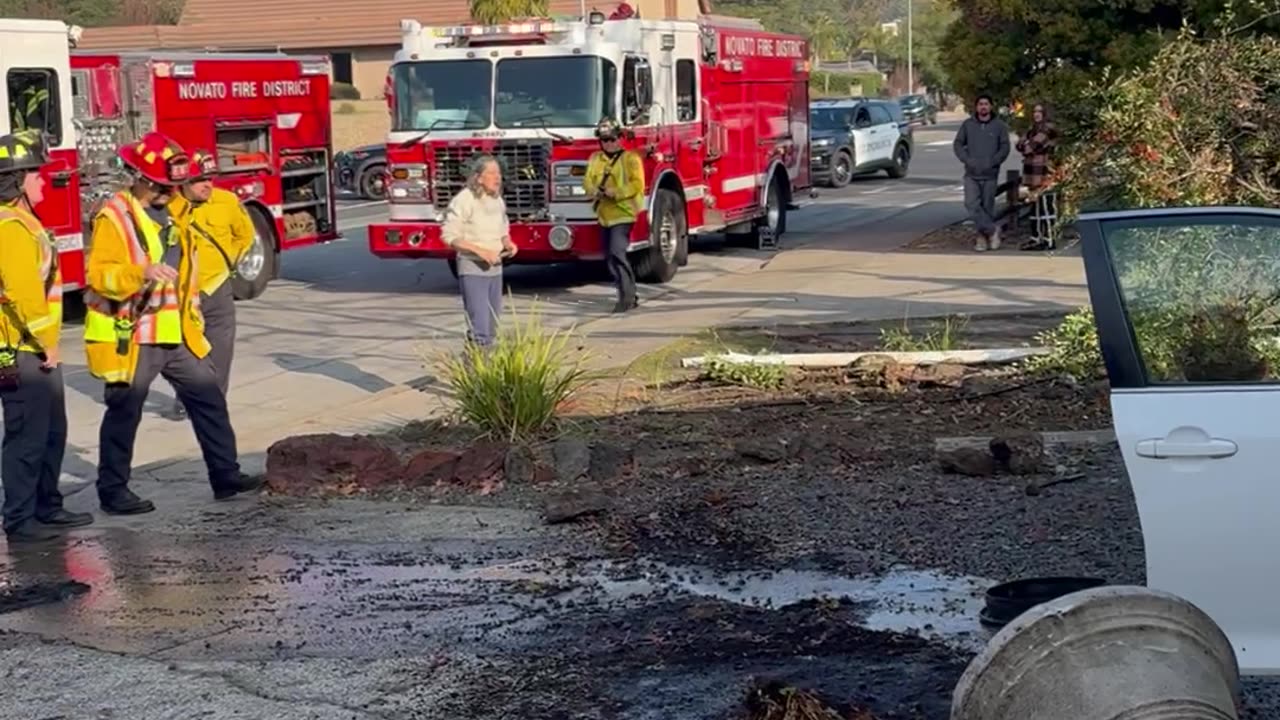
121, 306
625, 176
30, 283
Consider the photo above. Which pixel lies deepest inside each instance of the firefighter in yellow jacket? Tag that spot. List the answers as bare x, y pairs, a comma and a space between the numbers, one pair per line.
31, 390
615, 178
142, 319
222, 232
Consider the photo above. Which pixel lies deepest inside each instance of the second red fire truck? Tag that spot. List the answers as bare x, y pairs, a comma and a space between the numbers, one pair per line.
266, 116
718, 108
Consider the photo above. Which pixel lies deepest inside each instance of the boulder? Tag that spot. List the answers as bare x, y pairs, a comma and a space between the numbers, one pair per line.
430, 467
769, 450
574, 505
965, 459
520, 466
573, 459
480, 467
1019, 453
314, 464
609, 461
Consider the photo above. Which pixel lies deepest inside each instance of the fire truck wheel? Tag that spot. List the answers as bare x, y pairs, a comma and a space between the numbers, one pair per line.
668, 240
258, 265
775, 212
841, 169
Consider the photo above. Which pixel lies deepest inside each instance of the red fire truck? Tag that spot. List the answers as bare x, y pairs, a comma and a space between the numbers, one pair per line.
718, 107
265, 115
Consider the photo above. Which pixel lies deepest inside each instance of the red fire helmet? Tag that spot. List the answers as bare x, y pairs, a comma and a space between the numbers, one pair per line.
157, 158
204, 166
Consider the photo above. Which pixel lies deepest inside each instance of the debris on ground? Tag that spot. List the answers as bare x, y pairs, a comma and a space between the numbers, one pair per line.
35, 594
777, 701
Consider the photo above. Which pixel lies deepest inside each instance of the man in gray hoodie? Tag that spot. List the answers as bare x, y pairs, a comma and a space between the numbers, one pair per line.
982, 145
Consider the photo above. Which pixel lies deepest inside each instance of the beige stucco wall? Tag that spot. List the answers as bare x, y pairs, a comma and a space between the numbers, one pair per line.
369, 69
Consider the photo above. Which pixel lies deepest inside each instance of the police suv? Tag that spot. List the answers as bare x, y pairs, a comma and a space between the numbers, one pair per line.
853, 136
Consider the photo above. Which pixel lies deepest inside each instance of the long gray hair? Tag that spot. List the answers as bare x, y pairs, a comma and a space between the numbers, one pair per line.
478, 165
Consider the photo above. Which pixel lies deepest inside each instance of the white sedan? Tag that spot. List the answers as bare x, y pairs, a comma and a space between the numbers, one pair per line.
1187, 304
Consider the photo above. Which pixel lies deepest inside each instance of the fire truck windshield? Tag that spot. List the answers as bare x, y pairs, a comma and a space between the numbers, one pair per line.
554, 92
442, 94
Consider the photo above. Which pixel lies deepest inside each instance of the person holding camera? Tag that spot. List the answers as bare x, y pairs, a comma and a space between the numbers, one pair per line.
476, 227
615, 178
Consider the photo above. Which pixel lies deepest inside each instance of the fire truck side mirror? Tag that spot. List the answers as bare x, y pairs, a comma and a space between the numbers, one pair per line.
642, 80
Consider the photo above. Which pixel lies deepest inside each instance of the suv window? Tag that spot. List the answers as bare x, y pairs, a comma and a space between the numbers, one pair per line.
895, 112
33, 102
880, 115
862, 118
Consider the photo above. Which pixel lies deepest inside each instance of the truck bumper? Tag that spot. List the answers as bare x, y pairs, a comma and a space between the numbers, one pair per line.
423, 240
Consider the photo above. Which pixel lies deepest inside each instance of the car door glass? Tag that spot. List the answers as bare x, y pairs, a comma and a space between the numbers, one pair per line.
880, 116
1202, 297
862, 119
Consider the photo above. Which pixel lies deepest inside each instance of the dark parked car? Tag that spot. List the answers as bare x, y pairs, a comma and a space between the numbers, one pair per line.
918, 109
362, 171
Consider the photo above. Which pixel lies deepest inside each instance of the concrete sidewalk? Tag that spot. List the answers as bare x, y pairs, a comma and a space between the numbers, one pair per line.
826, 272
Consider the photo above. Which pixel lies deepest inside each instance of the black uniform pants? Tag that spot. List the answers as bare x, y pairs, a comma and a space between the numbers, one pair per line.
196, 384
35, 439
617, 238
219, 311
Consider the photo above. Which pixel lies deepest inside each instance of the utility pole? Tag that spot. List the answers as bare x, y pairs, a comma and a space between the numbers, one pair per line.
911, 72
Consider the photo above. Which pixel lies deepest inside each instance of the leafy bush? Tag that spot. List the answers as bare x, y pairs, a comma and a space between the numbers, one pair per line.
944, 336
755, 375
343, 91
1073, 347
516, 388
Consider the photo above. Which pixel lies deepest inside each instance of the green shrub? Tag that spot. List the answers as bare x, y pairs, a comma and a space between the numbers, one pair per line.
942, 337
343, 91
516, 388
1073, 347
754, 375
837, 84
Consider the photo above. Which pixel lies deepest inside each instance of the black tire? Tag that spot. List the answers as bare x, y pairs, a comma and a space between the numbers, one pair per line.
841, 169
258, 266
373, 184
668, 239
901, 162
775, 214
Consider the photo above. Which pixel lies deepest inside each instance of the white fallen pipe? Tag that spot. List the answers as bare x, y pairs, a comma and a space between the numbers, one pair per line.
834, 360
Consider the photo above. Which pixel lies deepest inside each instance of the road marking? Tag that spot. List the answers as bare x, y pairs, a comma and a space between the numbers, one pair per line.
939, 143
353, 206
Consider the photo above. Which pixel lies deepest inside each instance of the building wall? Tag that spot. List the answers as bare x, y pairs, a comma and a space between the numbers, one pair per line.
369, 67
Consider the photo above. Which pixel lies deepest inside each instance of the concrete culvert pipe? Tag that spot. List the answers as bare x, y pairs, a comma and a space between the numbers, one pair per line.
1110, 653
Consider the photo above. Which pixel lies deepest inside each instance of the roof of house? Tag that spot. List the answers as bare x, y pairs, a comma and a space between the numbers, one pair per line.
291, 24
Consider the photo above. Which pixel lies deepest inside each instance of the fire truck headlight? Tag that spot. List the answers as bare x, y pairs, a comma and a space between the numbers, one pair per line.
570, 191
561, 238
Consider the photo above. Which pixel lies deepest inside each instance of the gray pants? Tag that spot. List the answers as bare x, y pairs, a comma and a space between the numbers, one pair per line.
482, 301
197, 386
35, 439
220, 328
980, 202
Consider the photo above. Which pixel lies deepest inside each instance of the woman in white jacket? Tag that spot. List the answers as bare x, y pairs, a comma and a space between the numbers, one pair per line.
476, 227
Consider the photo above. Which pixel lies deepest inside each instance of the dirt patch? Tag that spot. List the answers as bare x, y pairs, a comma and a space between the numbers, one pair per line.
960, 237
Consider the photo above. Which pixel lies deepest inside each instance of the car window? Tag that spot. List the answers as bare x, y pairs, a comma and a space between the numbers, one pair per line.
880, 115
862, 117
1202, 297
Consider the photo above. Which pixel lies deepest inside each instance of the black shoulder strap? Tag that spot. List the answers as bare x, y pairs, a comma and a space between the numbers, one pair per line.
225, 257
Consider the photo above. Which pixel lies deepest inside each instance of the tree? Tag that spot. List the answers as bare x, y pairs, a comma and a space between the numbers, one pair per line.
96, 13
930, 20
491, 12
1053, 49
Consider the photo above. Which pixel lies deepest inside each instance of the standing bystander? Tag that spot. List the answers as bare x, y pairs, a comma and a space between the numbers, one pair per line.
1037, 154
476, 227
982, 145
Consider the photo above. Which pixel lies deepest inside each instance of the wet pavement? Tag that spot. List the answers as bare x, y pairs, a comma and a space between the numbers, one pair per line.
353, 609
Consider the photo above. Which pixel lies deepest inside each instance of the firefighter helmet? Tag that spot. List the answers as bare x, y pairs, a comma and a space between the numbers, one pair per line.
608, 129
204, 165
157, 158
22, 152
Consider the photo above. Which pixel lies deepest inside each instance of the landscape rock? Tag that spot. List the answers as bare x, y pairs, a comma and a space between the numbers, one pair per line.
573, 506
480, 468
767, 451
966, 459
896, 375
573, 459
1020, 453
806, 446
311, 464
430, 467
520, 467
609, 462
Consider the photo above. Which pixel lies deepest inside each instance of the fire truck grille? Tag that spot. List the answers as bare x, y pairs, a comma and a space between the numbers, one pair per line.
525, 175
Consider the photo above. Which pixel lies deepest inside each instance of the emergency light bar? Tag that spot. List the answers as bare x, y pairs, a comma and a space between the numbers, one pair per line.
540, 27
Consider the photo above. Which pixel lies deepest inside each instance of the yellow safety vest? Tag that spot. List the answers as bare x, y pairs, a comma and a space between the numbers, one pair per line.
35, 97
156, 317
50, 275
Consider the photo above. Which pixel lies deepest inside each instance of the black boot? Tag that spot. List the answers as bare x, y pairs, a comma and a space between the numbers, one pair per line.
64, 518
242, 484
124, 502
31, 531
626, 304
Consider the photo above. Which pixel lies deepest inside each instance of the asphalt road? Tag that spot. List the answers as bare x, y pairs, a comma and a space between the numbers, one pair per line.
342, 325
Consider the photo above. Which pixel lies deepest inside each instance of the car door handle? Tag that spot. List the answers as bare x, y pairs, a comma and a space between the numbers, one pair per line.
1161, 448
